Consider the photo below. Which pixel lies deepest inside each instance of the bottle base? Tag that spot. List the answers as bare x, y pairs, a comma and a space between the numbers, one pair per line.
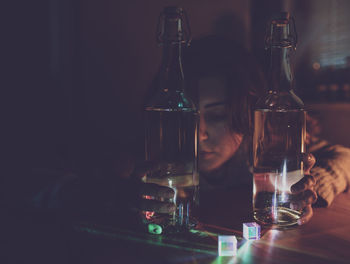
277, 218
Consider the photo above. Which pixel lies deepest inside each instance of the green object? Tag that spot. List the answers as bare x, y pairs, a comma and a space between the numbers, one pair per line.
155, 229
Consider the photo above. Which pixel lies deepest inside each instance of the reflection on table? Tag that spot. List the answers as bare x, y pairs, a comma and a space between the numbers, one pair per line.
325, 239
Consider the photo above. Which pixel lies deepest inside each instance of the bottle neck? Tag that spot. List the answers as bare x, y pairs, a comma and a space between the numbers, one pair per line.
280, 73
171, 73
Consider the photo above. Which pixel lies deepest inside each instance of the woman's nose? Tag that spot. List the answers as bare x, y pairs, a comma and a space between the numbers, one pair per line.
203, 133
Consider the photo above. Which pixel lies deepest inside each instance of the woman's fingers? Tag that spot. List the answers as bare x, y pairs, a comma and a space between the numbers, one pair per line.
307, 182
149, 196
155, 190
304, 196
306, 216
156, 206
155, 198
309, 161
303, 199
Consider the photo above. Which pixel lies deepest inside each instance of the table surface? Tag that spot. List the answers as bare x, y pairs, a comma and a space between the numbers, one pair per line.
325, 239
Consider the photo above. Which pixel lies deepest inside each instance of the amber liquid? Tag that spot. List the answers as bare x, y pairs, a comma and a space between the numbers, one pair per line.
277, 146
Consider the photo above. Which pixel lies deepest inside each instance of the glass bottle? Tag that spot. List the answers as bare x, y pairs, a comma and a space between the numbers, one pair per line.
171, 135
279, 132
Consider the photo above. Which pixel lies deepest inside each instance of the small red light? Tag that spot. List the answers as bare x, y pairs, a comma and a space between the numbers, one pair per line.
149, 214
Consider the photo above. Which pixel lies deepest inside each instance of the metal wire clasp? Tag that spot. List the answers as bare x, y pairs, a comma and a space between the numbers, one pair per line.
281, 32
175, 15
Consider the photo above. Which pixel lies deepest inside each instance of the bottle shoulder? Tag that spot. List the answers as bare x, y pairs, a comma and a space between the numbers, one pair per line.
281, 100
171, 101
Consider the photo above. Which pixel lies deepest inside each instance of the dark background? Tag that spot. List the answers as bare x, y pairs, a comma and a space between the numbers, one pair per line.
74, 77
76, 72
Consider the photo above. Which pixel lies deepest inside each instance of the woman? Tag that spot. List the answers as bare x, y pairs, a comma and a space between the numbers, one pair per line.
226, 81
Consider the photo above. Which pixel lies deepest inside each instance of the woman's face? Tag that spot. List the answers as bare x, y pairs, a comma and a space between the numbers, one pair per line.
217, 142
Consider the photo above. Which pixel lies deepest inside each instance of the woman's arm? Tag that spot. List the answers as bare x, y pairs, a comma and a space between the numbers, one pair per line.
331, 171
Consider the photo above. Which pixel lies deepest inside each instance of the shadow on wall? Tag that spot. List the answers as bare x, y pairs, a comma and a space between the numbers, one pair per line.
334, 121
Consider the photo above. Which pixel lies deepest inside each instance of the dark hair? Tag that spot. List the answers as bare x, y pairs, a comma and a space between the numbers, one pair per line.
213, 56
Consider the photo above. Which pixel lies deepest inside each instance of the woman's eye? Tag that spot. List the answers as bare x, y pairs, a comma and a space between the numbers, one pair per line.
213, 117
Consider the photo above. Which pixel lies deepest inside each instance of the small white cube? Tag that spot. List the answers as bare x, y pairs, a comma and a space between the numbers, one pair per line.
227, 246
251, 231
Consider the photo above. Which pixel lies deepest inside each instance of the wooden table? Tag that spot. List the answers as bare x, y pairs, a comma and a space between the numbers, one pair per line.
325, 239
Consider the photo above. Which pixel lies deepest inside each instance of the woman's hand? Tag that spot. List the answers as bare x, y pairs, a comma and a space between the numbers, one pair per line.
150, 196
304, 192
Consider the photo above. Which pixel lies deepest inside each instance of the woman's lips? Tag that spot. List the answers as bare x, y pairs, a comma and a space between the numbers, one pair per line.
206, 154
